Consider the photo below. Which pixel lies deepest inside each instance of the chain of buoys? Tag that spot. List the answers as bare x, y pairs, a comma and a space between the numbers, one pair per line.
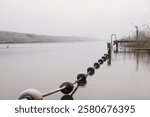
66, 87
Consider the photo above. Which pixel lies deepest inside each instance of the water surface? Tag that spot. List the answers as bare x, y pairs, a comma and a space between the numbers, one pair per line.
45, 66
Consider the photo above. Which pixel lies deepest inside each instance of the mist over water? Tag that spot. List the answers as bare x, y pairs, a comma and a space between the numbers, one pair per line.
87, 18
45, 66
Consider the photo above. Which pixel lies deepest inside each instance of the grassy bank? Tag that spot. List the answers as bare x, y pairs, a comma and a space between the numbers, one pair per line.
16, 37
143, 40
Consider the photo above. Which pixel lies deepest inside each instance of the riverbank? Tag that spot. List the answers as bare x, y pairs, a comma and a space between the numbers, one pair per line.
16, 37
142, 42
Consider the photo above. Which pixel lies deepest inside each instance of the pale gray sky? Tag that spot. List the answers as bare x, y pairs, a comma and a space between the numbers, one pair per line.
93, 18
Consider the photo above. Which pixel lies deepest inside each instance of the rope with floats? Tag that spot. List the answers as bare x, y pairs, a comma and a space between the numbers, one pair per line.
65, 87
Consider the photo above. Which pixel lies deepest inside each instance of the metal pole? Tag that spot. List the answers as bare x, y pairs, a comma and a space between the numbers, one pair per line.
112, 38
54, 91
137, 35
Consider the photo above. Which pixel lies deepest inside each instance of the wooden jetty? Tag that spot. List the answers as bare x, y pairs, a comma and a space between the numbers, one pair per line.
127, 41
117, 42
140, 49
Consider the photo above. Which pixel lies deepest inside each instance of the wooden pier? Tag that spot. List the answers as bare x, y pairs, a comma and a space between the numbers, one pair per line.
117, 42
127, 41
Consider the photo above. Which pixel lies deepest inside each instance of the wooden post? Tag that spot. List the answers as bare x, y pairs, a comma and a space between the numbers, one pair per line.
109, 54
117, 47
137, 35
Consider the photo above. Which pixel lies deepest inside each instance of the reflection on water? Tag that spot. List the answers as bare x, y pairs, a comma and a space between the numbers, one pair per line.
141, 57
126, 75
81, 83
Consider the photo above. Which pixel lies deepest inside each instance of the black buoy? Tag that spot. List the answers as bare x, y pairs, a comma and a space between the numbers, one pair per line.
105, 55
96, 65
103, 58
82, 83
81, 76
69, 87
90, 71
67, 97
100, 61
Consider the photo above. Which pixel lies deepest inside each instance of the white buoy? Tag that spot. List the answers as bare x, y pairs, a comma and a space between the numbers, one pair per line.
31, 94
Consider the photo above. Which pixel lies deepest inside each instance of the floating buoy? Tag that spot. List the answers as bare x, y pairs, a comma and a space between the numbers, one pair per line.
106, 55
82, 82
69, 87
103, 58
81, 76
90, 71
31, 94
96, 65
100, 61
66, 97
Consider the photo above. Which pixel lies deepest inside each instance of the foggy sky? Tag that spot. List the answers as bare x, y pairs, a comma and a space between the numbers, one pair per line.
91, 18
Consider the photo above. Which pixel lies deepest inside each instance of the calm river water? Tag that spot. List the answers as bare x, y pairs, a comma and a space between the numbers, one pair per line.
45, 66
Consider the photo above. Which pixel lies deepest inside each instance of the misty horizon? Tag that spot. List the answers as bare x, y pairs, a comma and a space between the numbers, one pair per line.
83, 18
